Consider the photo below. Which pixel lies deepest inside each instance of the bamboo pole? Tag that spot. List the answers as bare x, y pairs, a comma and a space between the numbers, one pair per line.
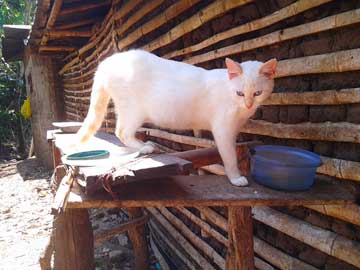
57, 34
194, 239
145, 9
125, 9
204, 226
326, 241
211, 11
328, 23
56, 48
180, 239
85, 8
327, 97
52, 19
156, 22
349, 213
279, 15
327, 131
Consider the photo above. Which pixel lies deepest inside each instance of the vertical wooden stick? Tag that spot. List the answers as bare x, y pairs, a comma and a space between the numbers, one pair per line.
241, 250
137, 238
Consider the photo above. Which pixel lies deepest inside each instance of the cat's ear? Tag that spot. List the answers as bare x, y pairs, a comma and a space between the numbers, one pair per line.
233, 68
268, 69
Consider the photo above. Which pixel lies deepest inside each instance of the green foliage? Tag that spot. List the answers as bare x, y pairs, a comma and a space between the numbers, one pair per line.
11, 82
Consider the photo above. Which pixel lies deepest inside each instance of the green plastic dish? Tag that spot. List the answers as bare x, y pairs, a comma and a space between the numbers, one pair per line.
95, 154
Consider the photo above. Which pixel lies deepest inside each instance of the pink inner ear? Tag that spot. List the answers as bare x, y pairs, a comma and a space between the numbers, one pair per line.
233, 68
232, 75
268, 69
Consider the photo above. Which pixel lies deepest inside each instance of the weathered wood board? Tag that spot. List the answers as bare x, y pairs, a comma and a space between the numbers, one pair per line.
210, 190
123, 164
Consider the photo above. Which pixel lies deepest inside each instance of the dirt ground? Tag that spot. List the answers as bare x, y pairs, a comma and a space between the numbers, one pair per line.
26, 222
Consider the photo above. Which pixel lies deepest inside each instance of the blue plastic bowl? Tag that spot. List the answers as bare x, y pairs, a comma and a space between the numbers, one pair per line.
284, 168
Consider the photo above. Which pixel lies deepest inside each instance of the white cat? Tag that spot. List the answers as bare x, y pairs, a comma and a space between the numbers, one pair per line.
176, 95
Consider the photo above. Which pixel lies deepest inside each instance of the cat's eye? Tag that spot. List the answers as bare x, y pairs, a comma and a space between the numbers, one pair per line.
257, 93
240, 94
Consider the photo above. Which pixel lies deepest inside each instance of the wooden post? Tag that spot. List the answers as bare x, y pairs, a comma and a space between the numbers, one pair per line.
241, 249
137, 238
56, 155
74, 241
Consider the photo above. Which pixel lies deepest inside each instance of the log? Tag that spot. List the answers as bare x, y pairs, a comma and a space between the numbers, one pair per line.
349, 213
327, 131
161, 19
339, 168
326, 241
204, 226
84, 8
144, 9
325, 24
54, 13
327, 97
58, 34
273, 255
158, 255
341, 61
126, 8
241, 246
76, 24
211, 11
278, 258
73, 241
180, 239
193, 238
279, 15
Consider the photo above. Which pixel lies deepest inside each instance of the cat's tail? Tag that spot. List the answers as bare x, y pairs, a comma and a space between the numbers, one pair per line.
97, 109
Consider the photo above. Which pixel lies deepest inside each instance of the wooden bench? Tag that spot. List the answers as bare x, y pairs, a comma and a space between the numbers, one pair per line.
74, 239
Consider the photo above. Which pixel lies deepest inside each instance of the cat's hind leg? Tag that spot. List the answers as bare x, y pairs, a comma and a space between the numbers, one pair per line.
126, 131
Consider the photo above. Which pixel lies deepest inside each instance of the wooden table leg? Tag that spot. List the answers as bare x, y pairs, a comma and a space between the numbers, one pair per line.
73, 240
241, 249
138, 240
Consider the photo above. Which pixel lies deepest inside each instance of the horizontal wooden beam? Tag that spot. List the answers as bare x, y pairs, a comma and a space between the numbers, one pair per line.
56, 49
328, 23
327, 97
54, 34
328, 131
206, 14
161, 19
77, 24
84, 7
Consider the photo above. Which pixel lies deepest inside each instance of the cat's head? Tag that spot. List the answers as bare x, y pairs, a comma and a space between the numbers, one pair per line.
251, 82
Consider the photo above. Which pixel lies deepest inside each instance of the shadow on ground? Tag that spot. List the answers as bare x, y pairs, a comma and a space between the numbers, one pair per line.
31, 169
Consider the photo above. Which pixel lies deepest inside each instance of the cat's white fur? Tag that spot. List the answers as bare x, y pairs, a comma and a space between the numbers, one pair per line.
176, 95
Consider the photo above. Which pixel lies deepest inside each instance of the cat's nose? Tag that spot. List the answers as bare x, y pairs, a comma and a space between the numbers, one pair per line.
249, 103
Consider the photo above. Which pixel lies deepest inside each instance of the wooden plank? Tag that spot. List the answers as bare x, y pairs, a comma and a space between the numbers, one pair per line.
74, 243
241, 250
210, 190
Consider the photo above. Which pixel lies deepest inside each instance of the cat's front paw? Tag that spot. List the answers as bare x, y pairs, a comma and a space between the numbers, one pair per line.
147, 149
239, 181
